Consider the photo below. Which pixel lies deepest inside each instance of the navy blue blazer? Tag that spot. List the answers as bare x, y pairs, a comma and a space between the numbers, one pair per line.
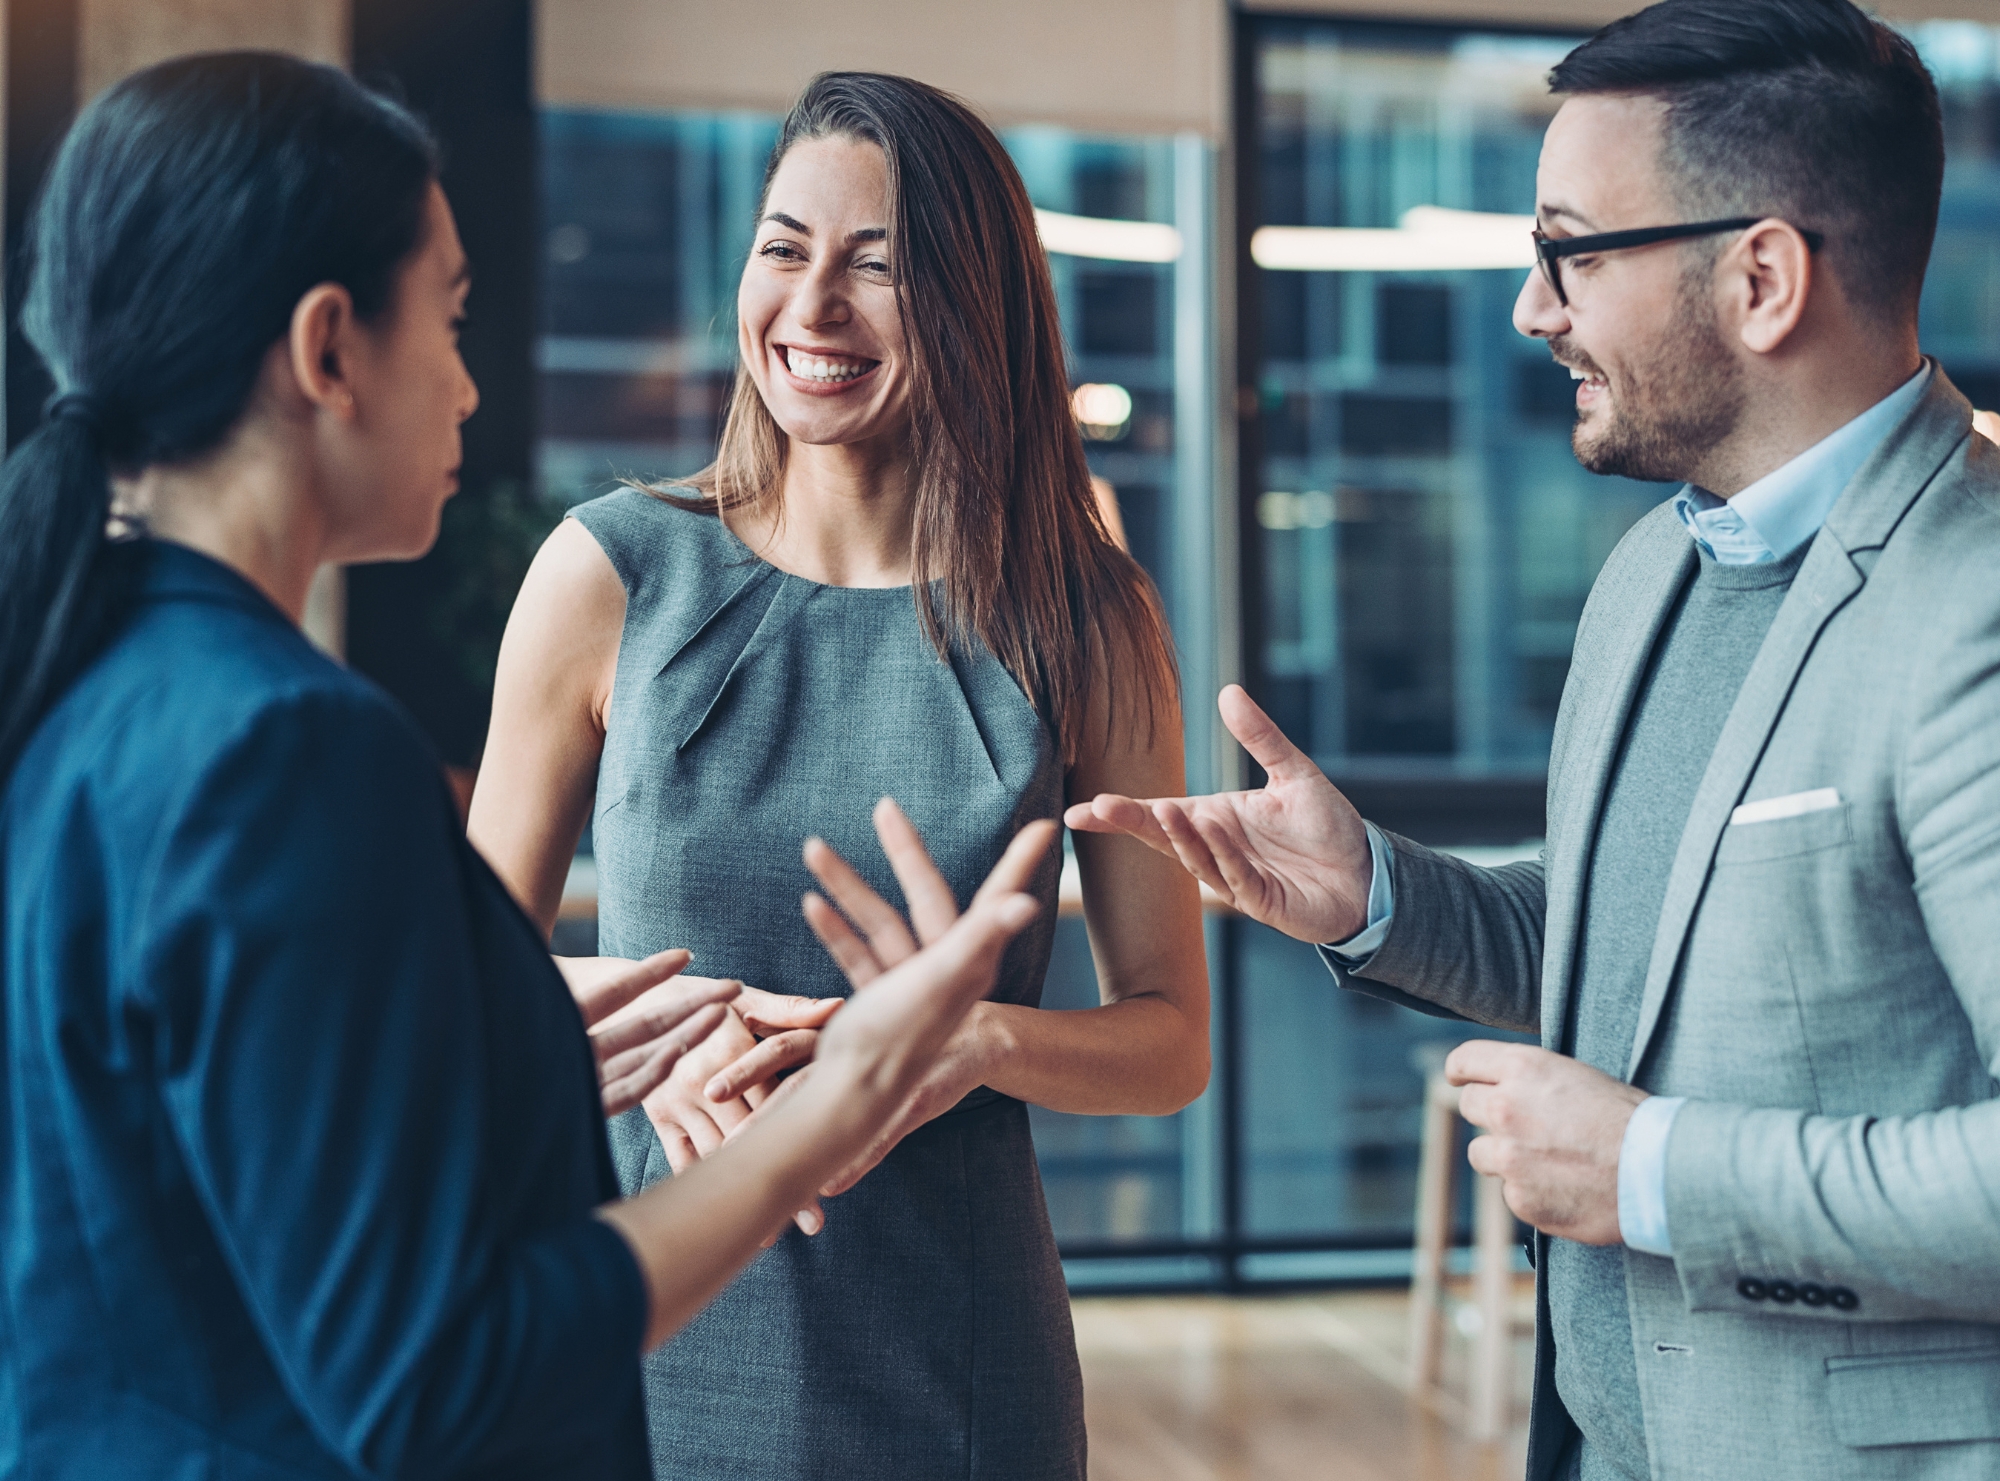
299, 1132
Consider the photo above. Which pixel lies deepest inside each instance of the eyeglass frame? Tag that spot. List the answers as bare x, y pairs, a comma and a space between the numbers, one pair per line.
1550, 251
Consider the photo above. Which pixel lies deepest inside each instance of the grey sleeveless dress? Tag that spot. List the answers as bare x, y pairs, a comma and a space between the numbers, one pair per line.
925, 1332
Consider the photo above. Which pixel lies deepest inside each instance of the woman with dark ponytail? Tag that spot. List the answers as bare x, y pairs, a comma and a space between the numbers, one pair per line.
303, 1169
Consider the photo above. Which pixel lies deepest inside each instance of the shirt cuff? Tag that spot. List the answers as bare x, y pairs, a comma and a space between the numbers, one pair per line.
1642, 1175
1354, 952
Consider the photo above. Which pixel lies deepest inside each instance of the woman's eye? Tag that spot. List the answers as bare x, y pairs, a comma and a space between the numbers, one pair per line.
874, 265
781, 252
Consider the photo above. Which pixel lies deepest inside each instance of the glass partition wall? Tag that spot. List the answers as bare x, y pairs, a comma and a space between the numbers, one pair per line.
1418, 538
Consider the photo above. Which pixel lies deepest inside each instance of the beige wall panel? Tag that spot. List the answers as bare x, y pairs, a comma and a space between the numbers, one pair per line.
118, 37
1577, 14
1146, 66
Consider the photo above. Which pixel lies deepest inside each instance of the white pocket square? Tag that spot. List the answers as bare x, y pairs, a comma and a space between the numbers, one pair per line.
1770, 809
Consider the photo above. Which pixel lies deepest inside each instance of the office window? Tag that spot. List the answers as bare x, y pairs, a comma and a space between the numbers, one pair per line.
1427, 539
1960, 322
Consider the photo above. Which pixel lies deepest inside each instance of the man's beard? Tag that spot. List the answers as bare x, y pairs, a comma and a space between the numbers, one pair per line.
1674, 407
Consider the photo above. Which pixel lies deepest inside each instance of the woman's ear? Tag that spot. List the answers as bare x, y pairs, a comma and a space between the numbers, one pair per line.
322, 345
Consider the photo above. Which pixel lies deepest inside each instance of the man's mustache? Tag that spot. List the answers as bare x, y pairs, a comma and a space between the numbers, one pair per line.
1565, 351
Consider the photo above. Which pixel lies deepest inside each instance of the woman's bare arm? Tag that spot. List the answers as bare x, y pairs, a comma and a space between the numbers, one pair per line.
538, 777
1145, 1050
551, 698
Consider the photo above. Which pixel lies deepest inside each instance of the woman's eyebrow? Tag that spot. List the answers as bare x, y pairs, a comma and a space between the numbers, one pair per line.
785, 221
870, 234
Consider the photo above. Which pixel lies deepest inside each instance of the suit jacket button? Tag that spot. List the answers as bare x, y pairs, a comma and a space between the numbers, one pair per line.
1812, 1295
1784, 1292
1752, 1289
1843, 1299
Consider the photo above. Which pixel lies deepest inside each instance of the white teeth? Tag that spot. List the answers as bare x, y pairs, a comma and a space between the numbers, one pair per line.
820, 368
1575, 374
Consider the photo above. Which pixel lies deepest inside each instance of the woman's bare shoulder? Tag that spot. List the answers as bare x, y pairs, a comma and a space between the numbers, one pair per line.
567, 621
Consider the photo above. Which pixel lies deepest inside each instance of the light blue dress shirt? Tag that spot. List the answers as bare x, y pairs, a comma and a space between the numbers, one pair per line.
1764, 523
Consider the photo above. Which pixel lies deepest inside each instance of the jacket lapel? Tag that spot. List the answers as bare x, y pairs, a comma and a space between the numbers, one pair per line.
1868, 512
1660, 561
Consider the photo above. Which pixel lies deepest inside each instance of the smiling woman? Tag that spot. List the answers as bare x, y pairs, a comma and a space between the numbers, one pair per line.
893, 580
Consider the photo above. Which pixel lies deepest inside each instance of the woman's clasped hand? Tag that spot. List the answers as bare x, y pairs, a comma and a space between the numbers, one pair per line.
703, 1095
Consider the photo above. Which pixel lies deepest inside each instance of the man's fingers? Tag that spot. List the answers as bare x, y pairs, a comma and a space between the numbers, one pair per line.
1015, 873
849, 952
1260, 736
932, 907
1110, 813
771, 1057
1188, 847
601, 999
1477, 1104
1483, 1152
889, 940
1481, 1061
1245, 882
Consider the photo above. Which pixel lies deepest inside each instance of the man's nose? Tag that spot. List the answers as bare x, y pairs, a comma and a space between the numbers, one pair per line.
1538, 313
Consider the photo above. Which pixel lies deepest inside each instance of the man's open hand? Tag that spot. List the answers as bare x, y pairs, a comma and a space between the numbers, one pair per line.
1553, 1128
1293, 854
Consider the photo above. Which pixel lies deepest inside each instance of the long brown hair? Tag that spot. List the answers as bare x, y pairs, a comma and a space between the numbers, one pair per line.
1006, 525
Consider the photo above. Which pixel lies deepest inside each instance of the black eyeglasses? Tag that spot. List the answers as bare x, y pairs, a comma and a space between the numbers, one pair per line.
1550, 251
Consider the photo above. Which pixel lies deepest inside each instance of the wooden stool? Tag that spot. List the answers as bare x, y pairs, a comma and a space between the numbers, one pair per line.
1492, 1263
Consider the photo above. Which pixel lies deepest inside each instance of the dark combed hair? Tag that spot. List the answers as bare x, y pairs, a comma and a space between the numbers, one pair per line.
1009, 547
188, 211
1806, 110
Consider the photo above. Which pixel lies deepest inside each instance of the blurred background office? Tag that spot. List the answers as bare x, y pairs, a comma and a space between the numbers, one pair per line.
1285, 238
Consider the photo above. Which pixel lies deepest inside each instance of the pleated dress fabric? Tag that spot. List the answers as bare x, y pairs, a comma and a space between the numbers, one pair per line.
925, 1333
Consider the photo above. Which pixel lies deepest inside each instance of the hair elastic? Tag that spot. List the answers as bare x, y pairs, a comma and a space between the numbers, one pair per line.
75, 406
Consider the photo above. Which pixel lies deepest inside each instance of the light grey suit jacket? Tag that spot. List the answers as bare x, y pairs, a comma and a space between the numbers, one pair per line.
1825, 988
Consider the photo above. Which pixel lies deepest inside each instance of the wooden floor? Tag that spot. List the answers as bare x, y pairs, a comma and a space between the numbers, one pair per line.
1283, 1388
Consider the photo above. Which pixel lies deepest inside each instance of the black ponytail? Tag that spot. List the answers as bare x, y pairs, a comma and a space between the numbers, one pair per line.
188, 211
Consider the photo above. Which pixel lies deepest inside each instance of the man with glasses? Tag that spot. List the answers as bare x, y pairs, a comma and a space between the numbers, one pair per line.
1760, 1143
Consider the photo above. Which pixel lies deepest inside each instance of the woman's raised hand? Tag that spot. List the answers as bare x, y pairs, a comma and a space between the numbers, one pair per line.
1292, 854
643, 1018
689, 1236
929, 1041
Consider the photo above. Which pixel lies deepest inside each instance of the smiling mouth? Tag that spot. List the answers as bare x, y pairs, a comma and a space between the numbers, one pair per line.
826, 370
1589, 378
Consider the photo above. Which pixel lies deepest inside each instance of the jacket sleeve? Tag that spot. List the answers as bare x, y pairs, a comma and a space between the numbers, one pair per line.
1904, 1211
305, 949
1464, 942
